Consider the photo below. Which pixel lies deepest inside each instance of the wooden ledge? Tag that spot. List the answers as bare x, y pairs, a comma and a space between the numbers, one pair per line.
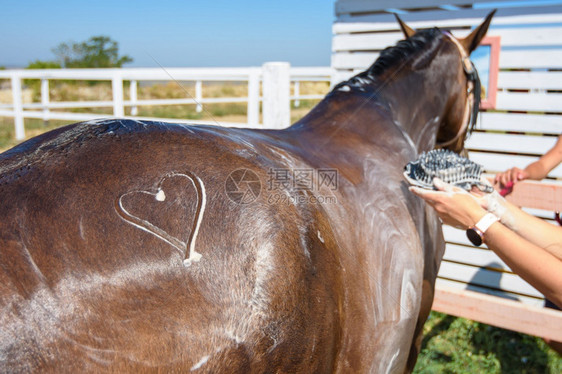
496, 311
537, 195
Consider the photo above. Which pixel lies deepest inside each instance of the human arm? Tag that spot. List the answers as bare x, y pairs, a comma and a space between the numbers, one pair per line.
536, 170
535, 265
460, 209
531, 228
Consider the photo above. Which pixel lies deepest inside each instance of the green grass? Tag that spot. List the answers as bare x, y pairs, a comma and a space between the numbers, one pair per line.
458, 345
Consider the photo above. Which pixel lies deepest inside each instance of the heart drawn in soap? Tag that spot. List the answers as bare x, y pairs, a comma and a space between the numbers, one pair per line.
166, 212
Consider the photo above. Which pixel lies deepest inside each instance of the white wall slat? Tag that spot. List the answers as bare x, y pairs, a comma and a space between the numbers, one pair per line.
551, 80
350, 6
359, 42
534, 123
541, 214
448, 18
354, 60
495, 163
453, 235
531, 36
510, 143
531, 59
487, 278
510, 59
536, 36
538, 302
470, 18
532, 101
475, 257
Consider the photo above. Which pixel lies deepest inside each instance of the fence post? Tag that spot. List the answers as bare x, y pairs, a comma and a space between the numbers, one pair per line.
297, 93
276, 95
336, 78
198, 96
45, 98
18, 107
133, 96
253, 111
117, 88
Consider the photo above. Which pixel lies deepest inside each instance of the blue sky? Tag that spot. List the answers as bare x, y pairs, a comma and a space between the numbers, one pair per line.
175, 33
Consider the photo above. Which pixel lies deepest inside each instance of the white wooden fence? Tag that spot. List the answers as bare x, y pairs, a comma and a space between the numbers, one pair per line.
273, 79
524, 125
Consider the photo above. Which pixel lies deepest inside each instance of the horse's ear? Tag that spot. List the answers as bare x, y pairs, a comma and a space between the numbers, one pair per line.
471, 41
407, 30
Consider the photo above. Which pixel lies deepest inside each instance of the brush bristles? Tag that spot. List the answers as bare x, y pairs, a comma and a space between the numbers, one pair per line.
447, 166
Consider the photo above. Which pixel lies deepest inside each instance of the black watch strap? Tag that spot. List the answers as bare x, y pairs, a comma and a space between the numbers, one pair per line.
476, 233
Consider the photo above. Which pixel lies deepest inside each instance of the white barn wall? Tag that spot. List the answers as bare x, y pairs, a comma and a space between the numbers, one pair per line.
524, 125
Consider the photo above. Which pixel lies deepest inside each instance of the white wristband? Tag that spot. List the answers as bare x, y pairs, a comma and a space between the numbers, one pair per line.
485, 222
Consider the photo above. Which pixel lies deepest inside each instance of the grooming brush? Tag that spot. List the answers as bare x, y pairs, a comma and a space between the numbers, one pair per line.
447, 166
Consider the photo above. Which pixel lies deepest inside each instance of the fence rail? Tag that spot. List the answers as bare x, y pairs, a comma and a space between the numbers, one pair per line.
273, 79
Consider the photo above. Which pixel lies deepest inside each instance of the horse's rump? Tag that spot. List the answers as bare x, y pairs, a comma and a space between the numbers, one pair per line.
139, 185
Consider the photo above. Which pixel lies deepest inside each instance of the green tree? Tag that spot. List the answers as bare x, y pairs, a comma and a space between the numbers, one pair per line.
97, 52
39, 64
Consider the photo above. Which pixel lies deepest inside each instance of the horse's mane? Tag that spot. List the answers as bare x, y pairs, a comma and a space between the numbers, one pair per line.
404, 52
415, 52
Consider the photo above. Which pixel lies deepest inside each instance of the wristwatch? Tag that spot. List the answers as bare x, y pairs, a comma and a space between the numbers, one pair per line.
476, 233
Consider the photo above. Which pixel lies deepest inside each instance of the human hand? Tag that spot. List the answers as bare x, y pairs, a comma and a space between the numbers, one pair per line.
510, 177
455, 206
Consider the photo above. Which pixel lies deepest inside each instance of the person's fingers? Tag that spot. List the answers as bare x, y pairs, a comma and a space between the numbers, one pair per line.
442, 186
421, 192
446, 187
500, 177
506, 190
477, 192
514, 176
504, 178
429, 196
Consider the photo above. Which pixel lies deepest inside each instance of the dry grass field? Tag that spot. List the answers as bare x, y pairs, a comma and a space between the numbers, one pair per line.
101, 91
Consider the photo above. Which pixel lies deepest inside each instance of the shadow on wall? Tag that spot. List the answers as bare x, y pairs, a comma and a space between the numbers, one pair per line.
489, 279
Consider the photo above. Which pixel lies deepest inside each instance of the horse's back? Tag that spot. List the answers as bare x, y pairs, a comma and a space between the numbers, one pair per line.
101, 219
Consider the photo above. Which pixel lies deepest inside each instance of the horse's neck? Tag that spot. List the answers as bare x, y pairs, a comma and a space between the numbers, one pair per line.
417, 106
410, 104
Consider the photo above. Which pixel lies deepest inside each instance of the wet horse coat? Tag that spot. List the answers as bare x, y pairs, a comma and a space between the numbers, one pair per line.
122, 247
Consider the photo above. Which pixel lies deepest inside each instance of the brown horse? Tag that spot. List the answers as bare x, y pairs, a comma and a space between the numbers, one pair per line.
143, 246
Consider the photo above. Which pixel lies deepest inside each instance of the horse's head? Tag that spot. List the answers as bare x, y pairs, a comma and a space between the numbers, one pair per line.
463, 105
